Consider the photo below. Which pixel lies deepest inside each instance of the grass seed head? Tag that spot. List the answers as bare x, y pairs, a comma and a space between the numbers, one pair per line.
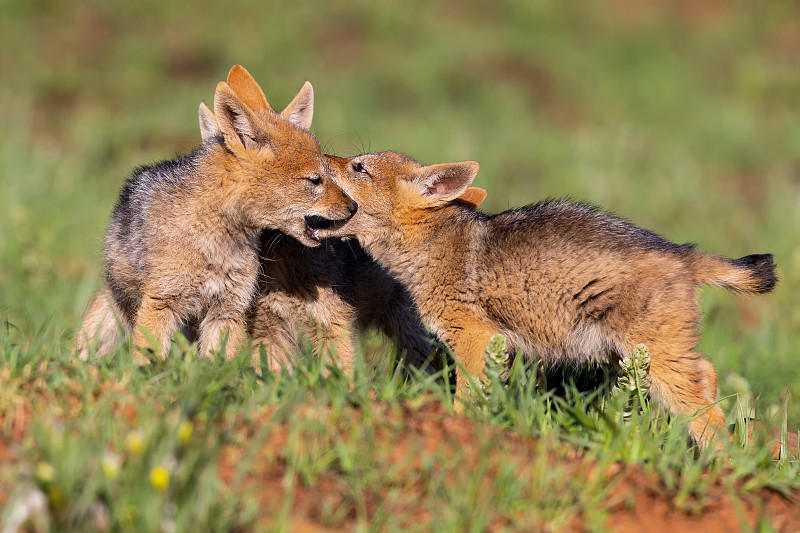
634, 379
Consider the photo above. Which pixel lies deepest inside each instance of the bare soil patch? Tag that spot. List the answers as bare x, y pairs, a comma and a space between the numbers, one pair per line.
411, 437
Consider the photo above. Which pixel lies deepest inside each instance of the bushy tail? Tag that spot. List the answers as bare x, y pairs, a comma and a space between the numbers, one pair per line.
752, 273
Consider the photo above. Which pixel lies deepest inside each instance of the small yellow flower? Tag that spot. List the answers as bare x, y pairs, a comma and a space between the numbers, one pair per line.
159, 478
185, 432
54, 495
45, 472
130, 513
110, 464
135, 442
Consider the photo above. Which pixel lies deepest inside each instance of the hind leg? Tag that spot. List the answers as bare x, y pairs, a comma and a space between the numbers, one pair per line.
682, 381
687, 385
103, 327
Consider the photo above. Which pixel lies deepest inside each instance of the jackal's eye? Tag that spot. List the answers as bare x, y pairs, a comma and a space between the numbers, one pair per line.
315, 180
358, 167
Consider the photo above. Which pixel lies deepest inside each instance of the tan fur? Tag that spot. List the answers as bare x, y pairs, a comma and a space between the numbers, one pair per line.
102, 328
330, 295
561, 281
473, 196
208, 123
240, 80
183, 245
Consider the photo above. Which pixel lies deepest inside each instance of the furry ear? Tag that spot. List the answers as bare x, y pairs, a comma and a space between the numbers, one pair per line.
300, 110
473, 197
248, 90
208, 123
446, 181
238, 124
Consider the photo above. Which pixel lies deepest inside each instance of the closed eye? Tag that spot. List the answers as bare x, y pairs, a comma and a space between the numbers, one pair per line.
358, 167
315, 180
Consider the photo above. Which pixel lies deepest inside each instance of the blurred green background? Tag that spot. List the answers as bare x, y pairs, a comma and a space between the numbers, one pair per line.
683, 117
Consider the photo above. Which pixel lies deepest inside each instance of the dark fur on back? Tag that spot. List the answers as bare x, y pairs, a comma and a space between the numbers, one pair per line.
127, 228
168, 171
576, 218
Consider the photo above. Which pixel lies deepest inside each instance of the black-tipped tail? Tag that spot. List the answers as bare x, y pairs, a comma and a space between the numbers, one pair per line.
752, 273
762, 271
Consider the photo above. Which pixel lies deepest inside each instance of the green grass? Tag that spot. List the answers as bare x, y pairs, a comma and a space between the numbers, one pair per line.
684, 120
241, 451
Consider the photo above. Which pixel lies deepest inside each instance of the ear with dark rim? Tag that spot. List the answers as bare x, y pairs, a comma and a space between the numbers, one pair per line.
446, 181
473, 197
208, 123
239, 125
244, 85
300, 110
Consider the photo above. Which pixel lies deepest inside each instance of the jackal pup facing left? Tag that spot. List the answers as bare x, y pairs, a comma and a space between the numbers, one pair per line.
561, 281
184, 238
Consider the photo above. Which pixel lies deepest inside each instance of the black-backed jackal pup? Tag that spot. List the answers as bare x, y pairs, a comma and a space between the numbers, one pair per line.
184, 240
330, 294
559, 280
333, 295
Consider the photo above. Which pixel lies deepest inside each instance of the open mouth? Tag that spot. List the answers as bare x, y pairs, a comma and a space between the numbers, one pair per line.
315, 223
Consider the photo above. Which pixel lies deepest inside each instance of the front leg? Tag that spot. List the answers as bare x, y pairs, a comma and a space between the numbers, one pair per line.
230, 293
279, 337
213, 330
337, 340
157, 316
400, 322
468, 344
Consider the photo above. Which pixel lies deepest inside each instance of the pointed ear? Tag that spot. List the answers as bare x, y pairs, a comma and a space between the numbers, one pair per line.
248, 90
473, 197
300, 110
208, 123
446, 181
238, 124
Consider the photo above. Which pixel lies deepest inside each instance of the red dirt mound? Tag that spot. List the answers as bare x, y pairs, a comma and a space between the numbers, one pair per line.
407, 439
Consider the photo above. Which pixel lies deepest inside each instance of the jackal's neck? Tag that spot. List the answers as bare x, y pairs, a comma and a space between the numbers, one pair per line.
223, 199
426, 248
210, 213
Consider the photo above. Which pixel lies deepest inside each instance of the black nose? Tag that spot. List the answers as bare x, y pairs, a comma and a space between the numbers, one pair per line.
353, 207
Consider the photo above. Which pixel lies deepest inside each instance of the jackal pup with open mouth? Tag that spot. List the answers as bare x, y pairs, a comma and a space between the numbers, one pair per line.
184, 240
331, 295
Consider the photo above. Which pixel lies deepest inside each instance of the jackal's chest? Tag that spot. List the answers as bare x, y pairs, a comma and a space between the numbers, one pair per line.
231, 278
